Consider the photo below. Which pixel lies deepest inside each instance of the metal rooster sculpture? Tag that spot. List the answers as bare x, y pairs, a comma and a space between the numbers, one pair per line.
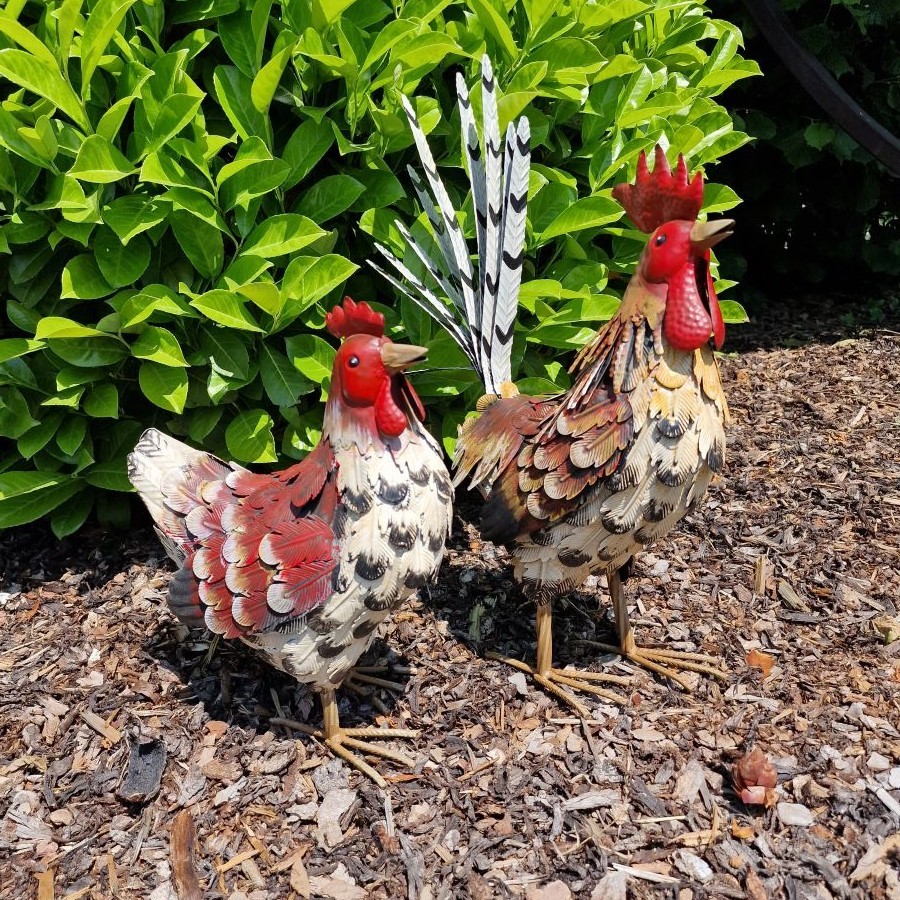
578, 483
304, 564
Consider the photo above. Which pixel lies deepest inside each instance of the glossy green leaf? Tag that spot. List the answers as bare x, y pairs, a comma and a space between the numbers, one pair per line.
175, 113
265, 83
24, 38
311, 355
589, 212
130, 215
233, 93
307, 145
111, 476
255, 180
120, 264
153, 298
249, 437
71, 433
59, 327
719, 198
68, 517
100, 26
202, 10
43, 79
263, 294
90, 352
203, 421
15, 416
83, 280
100, 162
496, 25
226, 351
102, 401
201, 242
308, 279
282, 381
27, 496
280, 235
329, 197
225, 308
159, 345
35, 439
13, 348
733, 313
164, 386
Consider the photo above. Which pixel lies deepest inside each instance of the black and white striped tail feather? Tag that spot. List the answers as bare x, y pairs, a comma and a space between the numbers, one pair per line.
425, 299
448, 285
461, 263
440, 233
515, 202
491, 212
476, 167
499, 191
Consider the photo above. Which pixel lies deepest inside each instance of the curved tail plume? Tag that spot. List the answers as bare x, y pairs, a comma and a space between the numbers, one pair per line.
481, 314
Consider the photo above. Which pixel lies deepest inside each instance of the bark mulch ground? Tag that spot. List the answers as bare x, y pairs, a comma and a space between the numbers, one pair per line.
136, 760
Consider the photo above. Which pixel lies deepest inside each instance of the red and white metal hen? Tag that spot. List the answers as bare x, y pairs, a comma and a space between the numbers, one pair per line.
305, 563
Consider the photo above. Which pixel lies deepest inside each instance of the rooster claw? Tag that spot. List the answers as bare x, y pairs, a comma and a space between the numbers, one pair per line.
347, 738
343, 741
668, 662
554, 681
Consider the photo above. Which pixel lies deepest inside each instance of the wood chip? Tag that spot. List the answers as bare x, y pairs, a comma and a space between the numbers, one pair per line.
645, 874
113, 735
795, 814
146, 764
237, 860
181, 856
791, 597
593, 800
45, 885
299, 880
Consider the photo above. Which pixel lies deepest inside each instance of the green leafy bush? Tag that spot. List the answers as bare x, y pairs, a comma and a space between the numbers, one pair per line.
187, 185
821, 213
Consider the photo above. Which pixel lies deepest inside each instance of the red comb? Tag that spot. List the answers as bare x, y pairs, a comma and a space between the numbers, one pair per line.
660, 197
354, 318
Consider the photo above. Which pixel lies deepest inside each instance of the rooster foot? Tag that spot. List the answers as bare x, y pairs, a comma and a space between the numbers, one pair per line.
554, 681
663, 662
348, 739
343, 741
668, 662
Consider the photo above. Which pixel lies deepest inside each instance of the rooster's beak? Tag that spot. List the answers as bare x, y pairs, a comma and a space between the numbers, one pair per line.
397, 357
707, 234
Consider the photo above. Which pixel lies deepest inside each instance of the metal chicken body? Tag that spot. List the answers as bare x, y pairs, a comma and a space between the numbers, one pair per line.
391, 524
304, 564
577, 483
580, 489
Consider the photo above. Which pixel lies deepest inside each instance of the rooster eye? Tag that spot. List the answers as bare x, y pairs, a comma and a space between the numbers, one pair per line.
660, 240
353, 362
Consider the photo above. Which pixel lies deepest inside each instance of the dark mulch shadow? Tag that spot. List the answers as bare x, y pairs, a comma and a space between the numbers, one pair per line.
812, 319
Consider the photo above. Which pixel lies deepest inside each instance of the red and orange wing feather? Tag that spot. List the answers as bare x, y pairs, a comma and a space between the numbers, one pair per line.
540, 458
261, 548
